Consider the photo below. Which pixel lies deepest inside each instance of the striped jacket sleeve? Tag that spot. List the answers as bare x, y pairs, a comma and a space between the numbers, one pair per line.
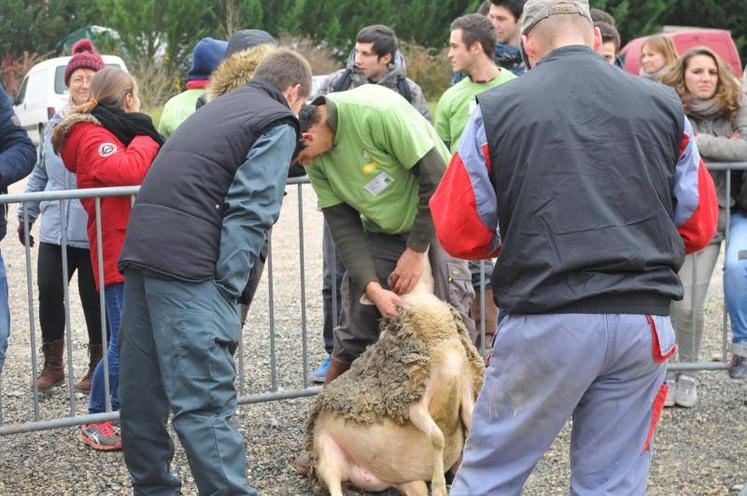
465, 206
694, 195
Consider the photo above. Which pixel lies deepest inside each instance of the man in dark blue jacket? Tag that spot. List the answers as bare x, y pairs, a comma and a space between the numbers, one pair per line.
17, 157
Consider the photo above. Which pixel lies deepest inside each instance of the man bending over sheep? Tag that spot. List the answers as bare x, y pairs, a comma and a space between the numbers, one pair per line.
374, 163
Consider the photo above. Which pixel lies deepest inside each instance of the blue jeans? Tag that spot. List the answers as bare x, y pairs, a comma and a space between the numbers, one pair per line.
114, 295
735, 280
4, 314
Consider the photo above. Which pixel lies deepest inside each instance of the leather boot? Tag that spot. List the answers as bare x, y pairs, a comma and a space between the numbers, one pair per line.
95, 353
336, 369
53, 372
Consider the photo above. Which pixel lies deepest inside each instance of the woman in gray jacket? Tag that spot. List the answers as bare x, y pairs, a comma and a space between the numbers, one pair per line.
712, 98
50, 174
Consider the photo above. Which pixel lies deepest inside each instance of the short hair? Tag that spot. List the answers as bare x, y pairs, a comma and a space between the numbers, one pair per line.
663, 45
516, 7
476, 29
309, 116
599, 15
285, 68
484, 8
549, 30
609, 33
383, 39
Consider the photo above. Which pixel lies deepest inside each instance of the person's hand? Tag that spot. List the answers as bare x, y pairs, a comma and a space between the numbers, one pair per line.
408, 271
386, 301
22, 238
736, 135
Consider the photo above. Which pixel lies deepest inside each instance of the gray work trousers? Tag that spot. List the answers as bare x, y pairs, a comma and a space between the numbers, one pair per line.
606, 371
174, 358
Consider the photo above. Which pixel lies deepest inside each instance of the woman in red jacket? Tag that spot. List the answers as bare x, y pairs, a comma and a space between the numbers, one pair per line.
107, 142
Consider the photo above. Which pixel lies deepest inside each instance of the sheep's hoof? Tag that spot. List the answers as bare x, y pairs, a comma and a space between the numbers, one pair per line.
302, 464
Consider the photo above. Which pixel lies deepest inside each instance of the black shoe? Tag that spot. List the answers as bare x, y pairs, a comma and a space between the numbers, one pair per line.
738, 367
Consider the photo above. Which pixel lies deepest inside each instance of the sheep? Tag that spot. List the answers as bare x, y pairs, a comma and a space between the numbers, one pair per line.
399, 417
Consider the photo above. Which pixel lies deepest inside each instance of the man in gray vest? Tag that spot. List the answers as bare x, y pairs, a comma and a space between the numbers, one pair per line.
196, 230
590, 203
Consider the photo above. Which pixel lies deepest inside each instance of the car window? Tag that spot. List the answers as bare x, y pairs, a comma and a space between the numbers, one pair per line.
59, 78
22, 91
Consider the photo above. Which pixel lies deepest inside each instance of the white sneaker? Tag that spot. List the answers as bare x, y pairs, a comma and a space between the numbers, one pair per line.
671, 394
687, 391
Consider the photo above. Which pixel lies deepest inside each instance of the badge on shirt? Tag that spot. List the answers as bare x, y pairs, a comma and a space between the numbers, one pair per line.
106, 149
379, 183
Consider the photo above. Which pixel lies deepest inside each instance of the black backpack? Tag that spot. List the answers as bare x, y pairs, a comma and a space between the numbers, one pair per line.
344, 84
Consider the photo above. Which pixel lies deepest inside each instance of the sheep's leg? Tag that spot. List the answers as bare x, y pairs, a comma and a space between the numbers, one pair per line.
421, 419
413, 488
468, 401
331, 464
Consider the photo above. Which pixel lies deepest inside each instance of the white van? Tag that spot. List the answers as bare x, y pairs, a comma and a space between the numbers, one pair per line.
43, 93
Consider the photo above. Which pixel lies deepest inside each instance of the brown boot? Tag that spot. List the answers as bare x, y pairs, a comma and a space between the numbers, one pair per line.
336, 369
94, 357
53, 372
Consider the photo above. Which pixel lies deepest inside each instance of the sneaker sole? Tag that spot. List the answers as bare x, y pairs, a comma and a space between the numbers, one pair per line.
98, 447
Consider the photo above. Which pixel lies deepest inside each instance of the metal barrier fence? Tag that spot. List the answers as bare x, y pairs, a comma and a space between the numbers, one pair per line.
275, 392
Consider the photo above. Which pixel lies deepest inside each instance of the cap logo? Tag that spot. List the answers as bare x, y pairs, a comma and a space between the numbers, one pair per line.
106, 149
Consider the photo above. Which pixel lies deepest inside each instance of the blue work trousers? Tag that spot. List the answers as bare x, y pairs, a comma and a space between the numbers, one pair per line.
604, 371
175, 358
735, 281
4, 315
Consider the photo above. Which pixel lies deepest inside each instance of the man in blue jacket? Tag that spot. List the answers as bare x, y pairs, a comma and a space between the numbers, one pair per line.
17, 158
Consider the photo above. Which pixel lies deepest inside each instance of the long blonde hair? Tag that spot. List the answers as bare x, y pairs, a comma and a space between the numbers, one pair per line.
728, 88
663, 45
109, 87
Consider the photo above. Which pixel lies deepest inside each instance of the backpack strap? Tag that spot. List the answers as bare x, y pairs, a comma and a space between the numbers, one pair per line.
343, 83
404, 89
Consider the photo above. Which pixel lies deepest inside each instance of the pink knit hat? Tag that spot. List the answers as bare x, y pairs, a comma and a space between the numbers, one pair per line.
84, 56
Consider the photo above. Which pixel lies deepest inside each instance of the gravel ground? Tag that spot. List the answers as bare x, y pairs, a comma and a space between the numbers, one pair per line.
697, 451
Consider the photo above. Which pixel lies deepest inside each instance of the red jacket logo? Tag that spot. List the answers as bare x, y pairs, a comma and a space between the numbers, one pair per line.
106, 149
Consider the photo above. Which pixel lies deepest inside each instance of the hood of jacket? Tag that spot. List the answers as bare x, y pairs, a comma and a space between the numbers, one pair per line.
62, 131
236, 70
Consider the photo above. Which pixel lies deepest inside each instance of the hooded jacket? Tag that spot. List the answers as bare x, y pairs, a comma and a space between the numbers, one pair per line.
100, 160
50, 174
397, 70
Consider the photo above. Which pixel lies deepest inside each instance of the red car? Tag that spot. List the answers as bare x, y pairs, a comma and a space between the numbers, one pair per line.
718, 40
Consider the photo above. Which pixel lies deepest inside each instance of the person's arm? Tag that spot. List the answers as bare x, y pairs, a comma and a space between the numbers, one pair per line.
418, 100
465, 205
37, 182
253, 205
120, 167
17, 153
350, 241
726, 149
694, 196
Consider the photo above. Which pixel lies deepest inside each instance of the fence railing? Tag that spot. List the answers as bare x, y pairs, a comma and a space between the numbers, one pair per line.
275, 392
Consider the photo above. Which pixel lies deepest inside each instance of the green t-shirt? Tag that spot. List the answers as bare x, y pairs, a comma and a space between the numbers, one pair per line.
379, 138
177, 109
456, 105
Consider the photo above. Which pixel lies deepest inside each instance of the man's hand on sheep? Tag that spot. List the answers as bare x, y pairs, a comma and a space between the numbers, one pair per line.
408, 271
386, 301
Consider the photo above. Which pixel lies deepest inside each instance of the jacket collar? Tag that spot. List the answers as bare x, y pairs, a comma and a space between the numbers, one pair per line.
269, 88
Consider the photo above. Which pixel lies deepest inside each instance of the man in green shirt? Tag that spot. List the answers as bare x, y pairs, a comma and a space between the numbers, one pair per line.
471, 47
374, 163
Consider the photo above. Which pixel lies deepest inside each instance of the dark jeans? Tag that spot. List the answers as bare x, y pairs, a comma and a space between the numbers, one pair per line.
51, 291
114, 294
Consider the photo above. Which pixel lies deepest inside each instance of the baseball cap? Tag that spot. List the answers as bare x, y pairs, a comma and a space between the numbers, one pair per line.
537, 10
